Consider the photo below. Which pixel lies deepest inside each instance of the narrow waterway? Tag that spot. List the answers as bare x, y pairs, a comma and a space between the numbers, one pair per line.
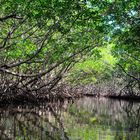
85, 119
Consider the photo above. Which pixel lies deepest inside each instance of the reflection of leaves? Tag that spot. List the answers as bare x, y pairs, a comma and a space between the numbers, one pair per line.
82, 115
25, 124
93, 119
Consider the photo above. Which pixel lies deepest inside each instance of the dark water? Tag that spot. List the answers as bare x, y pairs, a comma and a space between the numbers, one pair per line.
85, 119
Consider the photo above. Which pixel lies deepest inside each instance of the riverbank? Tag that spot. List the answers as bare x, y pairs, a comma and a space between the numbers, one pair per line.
60, 93
25, 97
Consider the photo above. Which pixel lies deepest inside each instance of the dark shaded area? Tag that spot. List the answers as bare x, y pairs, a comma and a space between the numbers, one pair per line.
127, 98
59, 93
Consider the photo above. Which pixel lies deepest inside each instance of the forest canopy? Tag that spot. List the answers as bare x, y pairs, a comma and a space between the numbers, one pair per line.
42, 41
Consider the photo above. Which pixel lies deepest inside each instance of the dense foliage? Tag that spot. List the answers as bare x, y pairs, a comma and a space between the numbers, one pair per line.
41, 40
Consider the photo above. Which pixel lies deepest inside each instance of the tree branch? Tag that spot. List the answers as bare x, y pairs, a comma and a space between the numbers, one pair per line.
47, 71
12, 16
137, 79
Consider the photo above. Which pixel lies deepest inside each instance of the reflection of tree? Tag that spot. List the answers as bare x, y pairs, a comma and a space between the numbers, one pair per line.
133, 116
118, 118
132, 121
31, 123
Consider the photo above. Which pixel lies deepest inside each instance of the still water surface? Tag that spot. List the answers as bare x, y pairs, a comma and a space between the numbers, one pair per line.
85, 119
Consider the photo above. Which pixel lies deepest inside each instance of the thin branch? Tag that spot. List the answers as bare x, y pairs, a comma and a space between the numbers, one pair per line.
128, 74
45, 72
46, 38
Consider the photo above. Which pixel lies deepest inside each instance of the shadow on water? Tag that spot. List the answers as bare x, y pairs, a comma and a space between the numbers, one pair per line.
85, 119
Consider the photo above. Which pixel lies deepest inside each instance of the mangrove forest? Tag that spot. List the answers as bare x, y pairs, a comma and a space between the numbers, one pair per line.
69, 69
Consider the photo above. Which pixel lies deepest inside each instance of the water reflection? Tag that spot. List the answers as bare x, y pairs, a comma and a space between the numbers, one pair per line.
32, 123
106, 119
86, 119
